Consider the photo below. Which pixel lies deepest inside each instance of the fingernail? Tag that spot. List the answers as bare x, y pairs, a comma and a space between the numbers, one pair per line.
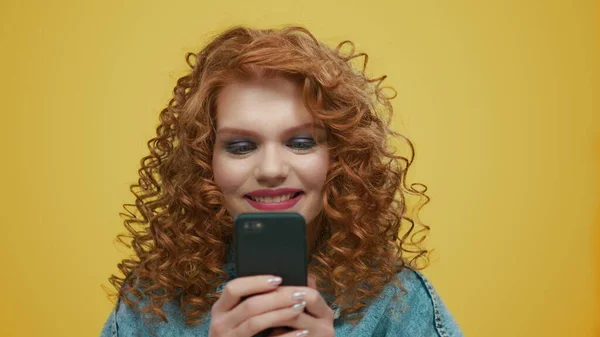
274, 281
302, 333
298, 295
299, 306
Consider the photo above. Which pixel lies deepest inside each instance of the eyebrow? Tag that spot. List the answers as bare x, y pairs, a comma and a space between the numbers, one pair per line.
254, 133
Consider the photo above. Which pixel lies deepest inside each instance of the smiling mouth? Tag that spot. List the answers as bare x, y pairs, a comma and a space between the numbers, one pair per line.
274, 199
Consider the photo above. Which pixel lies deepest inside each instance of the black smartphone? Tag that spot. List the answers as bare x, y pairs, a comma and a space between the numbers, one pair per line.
271, 244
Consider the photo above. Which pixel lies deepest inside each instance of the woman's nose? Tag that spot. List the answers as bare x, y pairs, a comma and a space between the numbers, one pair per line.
271, 168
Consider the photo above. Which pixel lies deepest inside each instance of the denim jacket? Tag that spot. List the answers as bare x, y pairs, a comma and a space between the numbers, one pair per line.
420, 312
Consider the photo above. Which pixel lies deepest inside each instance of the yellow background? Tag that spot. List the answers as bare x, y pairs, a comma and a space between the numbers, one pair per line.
500, 97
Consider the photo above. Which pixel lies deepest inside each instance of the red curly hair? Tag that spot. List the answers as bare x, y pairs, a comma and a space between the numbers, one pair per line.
179, 227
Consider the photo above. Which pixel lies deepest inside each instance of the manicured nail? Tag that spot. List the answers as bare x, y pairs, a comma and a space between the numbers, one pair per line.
299, 306
302, 333
274, 281
298, 295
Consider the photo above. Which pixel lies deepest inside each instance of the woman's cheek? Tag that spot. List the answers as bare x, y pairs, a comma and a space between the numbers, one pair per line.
221, 172
313, 168
229, 173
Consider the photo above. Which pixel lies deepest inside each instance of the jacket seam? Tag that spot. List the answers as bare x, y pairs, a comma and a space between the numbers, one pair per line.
439, 325
114, 327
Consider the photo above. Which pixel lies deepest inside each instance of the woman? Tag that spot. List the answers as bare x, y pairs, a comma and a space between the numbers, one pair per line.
264, 110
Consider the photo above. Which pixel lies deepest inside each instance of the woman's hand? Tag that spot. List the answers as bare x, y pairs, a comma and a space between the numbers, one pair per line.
300, 308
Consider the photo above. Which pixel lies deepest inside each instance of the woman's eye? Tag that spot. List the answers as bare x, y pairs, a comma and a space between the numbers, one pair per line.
240, 148
301, 144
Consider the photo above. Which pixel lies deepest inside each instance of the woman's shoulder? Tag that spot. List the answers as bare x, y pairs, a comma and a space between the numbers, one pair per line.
410, 307
124, 320
418, 308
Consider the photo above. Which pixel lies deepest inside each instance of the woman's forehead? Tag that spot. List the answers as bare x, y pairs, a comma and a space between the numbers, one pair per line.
262, 104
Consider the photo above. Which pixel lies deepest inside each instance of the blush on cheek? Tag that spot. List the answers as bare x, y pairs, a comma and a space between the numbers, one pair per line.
230, 174
314, 170
222, 175
223, 179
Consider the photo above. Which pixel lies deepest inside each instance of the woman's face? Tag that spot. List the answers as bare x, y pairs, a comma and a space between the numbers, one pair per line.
266, 158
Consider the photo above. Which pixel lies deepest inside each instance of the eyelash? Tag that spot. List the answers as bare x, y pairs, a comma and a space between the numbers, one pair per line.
240, 148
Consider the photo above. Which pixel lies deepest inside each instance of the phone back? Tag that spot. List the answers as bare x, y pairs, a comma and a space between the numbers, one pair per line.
271, 243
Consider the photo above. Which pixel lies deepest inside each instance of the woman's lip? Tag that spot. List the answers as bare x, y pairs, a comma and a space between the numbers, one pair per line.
275, 206
273, 193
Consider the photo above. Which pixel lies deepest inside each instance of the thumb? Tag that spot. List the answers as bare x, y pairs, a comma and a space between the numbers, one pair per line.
312, 281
